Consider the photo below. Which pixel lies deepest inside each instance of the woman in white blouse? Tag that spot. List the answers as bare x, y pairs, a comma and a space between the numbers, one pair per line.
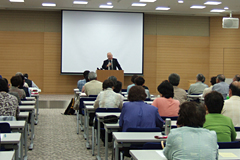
108, 98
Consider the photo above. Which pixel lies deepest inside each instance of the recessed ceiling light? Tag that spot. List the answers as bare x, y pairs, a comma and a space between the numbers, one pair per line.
49, 4
180, 1
226, 8
139, 4
217, 10
212, 3
109, 3
197, 7
163, 8
105, 6
16, 0
80, 2
147, 0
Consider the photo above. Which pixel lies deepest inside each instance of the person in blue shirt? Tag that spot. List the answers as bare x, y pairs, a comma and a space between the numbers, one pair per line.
138, 114
82, 82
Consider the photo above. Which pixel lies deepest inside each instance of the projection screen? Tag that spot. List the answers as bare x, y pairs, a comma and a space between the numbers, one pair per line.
87, 37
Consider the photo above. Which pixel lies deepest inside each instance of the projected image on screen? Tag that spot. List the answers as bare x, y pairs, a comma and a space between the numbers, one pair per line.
88, 36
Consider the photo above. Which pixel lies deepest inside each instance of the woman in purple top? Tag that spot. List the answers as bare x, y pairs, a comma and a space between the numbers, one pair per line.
137, 114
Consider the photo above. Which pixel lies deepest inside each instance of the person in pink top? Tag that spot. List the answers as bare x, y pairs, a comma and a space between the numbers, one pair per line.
167, 106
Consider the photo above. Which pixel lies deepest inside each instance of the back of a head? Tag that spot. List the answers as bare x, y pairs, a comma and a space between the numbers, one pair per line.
203, 80
235, 88
191, 114
221, 78
237, 77
22, 81
214, 102
3, 85
200, 77
107, 84
213, 80
18, 74
25, 75
85, 75
92, 76
16, 81
174, 79
136, 93
166, 89
113, 79
118, 87
133, 78
139, 81
5, 79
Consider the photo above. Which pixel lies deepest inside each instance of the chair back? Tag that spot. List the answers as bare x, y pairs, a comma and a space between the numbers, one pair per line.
115, 110
229, 145
156, 129
237, 128
92, 95
124, 90
172, 118
151, 145
81, 105
5, 128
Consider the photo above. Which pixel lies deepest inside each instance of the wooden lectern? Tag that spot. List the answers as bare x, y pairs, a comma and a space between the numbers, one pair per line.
102, 75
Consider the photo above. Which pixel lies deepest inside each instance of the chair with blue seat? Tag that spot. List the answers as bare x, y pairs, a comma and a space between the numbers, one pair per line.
229, 145
124, 90
152, 145
237, 128
4, 128
92, 95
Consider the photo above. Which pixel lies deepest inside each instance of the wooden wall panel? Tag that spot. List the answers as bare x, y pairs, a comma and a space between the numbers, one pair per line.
184, 55
22, 52
224, 47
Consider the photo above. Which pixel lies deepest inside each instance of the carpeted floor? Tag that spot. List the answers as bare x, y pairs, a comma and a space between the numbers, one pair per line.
56, 139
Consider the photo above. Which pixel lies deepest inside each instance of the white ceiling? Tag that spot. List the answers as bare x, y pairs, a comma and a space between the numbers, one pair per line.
125, 5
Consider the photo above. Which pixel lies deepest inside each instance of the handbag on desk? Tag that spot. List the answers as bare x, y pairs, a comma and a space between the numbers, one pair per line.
110, 119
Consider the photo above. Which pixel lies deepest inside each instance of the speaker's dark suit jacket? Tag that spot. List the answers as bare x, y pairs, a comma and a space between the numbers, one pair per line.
115, 64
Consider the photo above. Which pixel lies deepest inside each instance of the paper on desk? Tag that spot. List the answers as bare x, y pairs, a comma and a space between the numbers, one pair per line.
161, 154
225, 154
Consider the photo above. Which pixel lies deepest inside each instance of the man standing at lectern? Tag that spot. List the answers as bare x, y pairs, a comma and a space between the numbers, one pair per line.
111, 63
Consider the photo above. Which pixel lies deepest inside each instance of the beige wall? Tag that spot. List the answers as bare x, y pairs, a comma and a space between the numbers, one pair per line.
30, 41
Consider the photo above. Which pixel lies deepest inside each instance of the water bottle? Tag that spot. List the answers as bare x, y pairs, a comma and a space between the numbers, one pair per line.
167, 126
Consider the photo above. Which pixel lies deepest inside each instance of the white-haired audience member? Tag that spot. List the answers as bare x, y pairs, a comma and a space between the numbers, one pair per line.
221, 86
93, 87
198, 87
231, 107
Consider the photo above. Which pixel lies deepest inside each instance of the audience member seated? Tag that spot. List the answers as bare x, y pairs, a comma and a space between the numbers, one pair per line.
113, 79
21, 86
139, 81
190, 140
13, 93
198, 87
203, 81
137, 114
108, 98
133, 82
16, 81
221, 86
8, 103
209, 89
167, 106
93, 87
179, 94
82, 82
236, 78
20, 74
118, 87
29, 82
217, 122
231, 106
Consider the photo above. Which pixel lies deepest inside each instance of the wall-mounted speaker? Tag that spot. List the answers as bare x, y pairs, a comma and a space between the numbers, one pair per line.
229, 22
